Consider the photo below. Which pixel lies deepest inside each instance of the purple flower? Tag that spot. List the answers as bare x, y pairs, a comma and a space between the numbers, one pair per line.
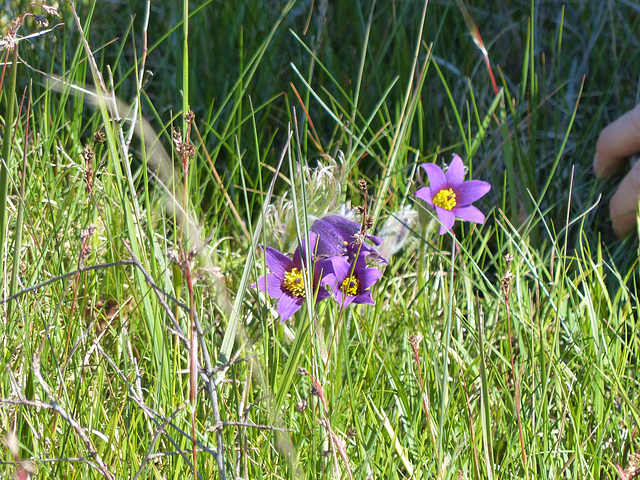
338, 236
351, 282
451, 196
286, 280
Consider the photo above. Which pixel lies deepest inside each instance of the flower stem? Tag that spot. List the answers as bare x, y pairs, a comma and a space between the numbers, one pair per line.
421, 255
445, 370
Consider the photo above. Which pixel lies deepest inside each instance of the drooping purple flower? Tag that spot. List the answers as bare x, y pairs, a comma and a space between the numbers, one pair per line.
286, 280
451, 196
351, 282
339, 236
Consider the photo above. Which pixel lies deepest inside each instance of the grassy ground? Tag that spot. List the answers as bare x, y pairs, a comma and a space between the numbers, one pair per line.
145, 353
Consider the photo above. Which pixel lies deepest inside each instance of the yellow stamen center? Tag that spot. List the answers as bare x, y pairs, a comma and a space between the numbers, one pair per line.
351, 286
294, 282
445, 199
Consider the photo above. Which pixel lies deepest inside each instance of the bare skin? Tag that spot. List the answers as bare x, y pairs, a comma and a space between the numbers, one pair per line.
618, 140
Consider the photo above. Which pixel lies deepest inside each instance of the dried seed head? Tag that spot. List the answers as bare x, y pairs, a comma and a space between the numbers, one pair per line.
351, 433
505, 285
176, 136
368, 222
189, 116
362, 183
302, 405
633, 470
99, 137
85, 246
87, 154
41, 21
173, 257
91, 229
314, 390
50, 10
397, 230
415, 339
505, 282
360, 210
10, 42
322, 186
358, 239
188, 150
508, 258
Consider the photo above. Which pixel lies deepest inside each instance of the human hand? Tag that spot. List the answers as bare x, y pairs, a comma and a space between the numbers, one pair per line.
618, 140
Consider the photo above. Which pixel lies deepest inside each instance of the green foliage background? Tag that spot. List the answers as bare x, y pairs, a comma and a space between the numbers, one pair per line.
534, 381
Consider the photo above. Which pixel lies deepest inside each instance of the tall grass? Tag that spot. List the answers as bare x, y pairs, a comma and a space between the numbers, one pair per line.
133, 344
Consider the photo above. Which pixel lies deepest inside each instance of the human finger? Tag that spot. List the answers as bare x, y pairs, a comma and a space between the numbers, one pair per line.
623, 206
617, 140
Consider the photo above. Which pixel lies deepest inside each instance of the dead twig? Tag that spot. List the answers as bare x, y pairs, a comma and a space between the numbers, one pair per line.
59, 409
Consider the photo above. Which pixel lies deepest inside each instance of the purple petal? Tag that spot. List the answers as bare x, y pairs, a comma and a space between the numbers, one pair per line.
334, 231
322, 269
341, 268
471, 191
277, 261
455, 172
364, 250
299, 256
447, 219
288, 305
368, 277
342, 227
271, 285
344, 300
377, 241
364, 298
425, 194
323, 294
336, 235
361, 263
376, 257
359, 267
437, 179
323, 276
469, 213
331, 281
339, 271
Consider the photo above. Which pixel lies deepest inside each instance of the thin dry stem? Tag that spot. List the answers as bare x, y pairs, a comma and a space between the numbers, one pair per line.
59, 409
506, 293
414, 341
